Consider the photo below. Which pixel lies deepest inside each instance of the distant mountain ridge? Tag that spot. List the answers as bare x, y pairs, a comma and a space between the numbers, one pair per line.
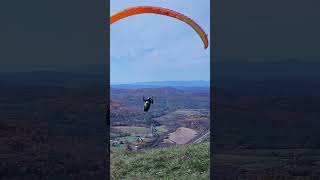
157, 84
70, 79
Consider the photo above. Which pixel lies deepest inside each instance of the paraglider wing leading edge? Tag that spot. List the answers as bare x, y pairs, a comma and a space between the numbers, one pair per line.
161, 11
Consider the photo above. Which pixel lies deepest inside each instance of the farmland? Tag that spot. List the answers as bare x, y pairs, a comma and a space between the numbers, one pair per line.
176, 117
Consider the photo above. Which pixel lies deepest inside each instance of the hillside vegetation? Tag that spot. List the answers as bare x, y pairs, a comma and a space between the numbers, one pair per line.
179, 162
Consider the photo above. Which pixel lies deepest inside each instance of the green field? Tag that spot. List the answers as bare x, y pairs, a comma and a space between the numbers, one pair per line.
133, 129
179, 162
161, 129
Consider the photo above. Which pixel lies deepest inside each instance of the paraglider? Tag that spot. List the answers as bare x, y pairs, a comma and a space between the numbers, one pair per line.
146, 107
165, 12
147, 103
161, 11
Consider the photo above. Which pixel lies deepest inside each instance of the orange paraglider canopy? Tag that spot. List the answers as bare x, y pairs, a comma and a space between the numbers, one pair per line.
162, 11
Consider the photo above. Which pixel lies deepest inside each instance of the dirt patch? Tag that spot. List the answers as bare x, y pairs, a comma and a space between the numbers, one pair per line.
182, 135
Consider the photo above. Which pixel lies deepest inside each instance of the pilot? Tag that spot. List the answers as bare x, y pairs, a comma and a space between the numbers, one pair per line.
147, 103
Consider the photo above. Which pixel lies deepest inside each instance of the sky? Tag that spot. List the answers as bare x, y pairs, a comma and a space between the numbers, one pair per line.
152, 47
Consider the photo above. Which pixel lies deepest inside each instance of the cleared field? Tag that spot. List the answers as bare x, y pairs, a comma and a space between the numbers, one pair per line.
132, 129
161, 129
186, 114
182, 135
193, 112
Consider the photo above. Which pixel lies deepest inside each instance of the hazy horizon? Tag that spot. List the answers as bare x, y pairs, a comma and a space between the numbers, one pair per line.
159, 81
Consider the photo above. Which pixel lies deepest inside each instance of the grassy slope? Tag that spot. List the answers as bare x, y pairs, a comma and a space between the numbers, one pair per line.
181, 162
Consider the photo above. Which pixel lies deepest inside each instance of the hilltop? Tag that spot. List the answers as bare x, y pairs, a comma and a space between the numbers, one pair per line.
178, 162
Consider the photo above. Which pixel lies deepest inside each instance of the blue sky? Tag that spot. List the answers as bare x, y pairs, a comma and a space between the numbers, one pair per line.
151, 47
